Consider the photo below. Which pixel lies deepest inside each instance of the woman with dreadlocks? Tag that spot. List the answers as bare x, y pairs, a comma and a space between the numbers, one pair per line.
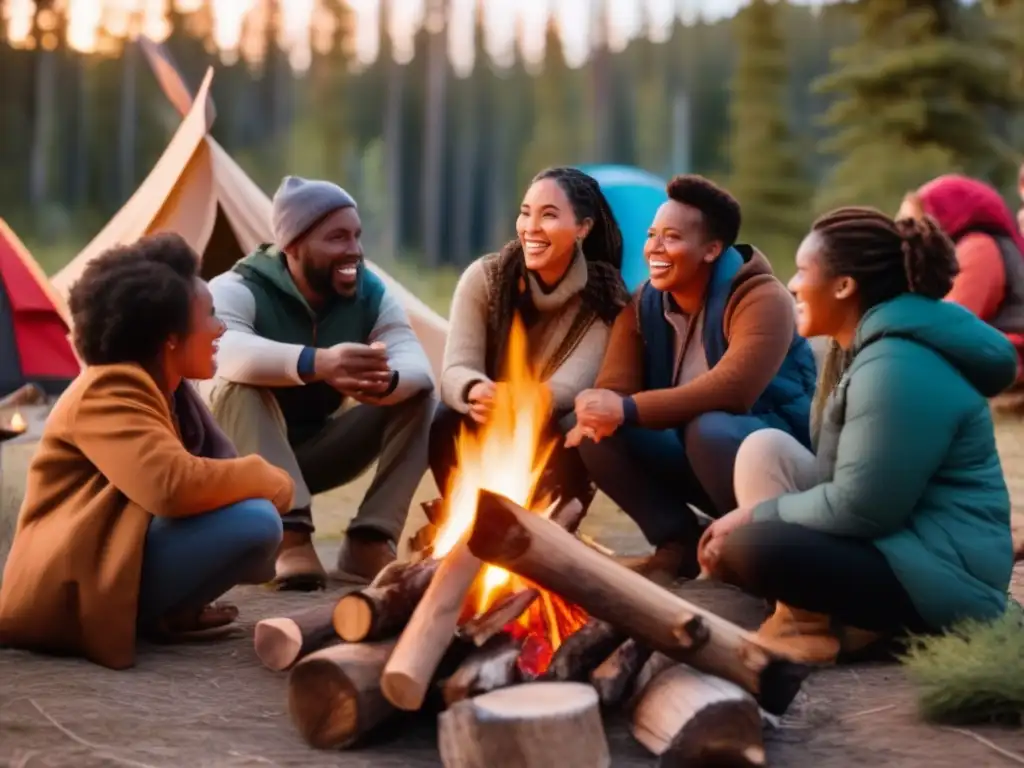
901, 520
561, 277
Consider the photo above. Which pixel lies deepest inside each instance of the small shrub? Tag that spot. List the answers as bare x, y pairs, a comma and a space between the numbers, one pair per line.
972, 674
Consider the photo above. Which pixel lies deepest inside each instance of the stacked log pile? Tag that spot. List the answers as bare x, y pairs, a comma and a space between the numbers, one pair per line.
694, 684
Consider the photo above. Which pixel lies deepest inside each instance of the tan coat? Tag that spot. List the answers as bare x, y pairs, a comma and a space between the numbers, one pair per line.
110, 458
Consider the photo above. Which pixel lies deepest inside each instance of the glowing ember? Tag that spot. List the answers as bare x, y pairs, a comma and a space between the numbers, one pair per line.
507, 456
18, 422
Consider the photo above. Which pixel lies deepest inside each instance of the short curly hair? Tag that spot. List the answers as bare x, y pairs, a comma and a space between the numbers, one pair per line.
721, 211
132, 298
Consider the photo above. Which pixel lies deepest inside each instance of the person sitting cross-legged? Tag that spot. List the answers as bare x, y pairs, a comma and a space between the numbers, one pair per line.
705, 354
309, 330
900, 520
137, 510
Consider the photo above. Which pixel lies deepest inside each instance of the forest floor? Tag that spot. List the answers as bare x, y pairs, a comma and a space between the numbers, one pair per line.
215, 705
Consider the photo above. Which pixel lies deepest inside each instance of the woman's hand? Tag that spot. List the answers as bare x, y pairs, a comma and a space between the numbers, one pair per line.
710, 547
481, 401
599, 413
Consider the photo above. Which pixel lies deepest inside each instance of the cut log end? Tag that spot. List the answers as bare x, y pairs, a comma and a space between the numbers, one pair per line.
403, 690
323, 705
353, 618
530, 724
688, 718
278, 643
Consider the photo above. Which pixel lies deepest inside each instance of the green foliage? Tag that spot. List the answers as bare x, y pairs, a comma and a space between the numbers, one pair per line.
972, 674
767, 177
915, 94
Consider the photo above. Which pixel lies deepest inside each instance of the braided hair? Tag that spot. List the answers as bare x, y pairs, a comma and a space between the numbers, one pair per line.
605, 293
887, 258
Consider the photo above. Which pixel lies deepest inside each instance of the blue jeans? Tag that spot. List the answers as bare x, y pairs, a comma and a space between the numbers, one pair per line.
654, 474
188, 562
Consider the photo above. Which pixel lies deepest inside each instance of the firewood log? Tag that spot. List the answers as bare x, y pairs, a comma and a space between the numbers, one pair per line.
430, 630
584, 650
485, 669
506, 535
334, 695
614, 678
690, 718
381, 610
534, 725
506, 609
282, 641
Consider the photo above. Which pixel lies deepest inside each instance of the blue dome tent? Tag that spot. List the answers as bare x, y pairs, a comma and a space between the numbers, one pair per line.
634, 195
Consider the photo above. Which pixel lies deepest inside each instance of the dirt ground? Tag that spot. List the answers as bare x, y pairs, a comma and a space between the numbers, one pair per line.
215, 705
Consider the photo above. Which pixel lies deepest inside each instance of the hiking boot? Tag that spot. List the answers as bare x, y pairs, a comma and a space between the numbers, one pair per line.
812, 638
670, 561
361, 558
298, 568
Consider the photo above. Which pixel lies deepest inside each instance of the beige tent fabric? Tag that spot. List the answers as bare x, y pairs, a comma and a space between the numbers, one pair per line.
198, 191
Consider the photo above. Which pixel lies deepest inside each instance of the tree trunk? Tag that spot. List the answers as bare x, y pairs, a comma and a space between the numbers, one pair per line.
532, 726
434, 132
513, 538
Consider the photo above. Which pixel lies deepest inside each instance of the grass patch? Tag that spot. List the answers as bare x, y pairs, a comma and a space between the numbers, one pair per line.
972, 674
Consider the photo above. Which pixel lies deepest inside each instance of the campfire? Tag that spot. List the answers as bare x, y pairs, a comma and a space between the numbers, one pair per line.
518, 630
15, 426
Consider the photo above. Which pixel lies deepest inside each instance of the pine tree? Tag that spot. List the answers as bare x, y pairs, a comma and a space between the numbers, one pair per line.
767, 177
915, 95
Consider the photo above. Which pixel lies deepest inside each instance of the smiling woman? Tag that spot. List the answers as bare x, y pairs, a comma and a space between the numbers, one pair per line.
135, 501
561, 277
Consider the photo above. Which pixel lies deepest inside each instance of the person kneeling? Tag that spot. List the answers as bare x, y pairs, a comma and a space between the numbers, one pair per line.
137, 511
901, 520
705, 354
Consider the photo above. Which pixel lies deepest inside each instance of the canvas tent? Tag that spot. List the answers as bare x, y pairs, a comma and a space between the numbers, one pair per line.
198, 191
34, 346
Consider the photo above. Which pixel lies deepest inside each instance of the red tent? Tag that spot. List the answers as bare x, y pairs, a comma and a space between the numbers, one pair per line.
34, 346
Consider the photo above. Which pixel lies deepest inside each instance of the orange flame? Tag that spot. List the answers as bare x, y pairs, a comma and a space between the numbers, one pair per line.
507, 456
18, 422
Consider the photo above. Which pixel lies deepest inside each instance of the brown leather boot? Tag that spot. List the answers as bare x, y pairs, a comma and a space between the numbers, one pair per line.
811, 638
360, 559
669, 562
298, 568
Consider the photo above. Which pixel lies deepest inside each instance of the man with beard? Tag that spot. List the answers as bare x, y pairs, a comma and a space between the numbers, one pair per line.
309, 331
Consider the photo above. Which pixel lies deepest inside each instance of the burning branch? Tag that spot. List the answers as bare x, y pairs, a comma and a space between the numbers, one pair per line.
507, 535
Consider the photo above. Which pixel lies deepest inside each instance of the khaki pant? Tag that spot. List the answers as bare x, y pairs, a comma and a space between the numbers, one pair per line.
770, 463
395, 436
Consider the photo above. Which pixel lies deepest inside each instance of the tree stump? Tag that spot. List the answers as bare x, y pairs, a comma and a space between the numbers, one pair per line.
689, 718
534, 725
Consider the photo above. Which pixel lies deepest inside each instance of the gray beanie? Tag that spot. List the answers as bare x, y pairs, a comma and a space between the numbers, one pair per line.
300, 203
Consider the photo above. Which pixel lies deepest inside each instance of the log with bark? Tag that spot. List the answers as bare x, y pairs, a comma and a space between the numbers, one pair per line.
382, 609
485, 669
505, 610
584, 650
614, 678
506, 535
482, 628
689, 718
282, 641
532, 725
334, 695
430, 629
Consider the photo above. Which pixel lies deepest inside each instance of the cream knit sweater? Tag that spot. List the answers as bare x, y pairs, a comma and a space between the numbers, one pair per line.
465, 350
